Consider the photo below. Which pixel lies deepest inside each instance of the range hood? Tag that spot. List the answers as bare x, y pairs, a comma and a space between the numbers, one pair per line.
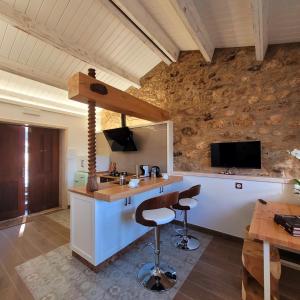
120, 139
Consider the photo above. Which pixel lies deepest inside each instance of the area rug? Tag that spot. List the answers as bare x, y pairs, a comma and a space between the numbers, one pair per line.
58, 275
62, 217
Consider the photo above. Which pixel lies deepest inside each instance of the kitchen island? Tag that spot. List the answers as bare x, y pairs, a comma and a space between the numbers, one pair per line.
103, 222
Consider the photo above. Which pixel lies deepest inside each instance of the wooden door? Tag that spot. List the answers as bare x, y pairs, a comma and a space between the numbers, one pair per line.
43, 191
12, 150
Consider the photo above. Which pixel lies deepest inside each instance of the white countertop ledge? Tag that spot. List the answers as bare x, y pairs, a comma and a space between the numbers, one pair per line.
235, 177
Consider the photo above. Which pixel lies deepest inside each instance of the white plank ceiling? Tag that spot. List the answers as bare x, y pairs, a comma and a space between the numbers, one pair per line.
86, 21
117, 49
229, 22
25, 92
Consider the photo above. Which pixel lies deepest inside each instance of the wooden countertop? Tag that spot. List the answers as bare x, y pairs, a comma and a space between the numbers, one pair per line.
110, 192
116, 192
264, 228
82, 189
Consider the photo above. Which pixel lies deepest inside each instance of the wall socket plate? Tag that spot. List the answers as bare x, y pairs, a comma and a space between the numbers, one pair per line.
239, 185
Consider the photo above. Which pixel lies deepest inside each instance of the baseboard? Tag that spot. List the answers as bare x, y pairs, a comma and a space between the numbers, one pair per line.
210, 231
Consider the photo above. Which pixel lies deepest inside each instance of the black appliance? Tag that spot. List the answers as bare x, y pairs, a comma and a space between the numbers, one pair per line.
155, 170
120, 139
236, 154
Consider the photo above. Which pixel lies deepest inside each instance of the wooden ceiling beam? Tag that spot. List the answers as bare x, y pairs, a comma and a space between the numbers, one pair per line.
115, 100
135, 30
54, 38
260, 13
138, 14
189, 14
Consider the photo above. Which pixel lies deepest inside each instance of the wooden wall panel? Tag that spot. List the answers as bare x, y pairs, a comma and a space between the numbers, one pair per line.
11, 171
43, 168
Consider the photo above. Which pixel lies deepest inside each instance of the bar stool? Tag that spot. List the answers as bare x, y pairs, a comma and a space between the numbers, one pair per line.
155, 212
185, 203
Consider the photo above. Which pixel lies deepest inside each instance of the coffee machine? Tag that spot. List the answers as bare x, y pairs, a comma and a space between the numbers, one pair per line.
144, 170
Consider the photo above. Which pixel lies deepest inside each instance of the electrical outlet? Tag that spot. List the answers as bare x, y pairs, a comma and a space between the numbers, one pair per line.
239, 185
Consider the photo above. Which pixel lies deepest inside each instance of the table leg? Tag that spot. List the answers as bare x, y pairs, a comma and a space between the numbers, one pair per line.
267, 285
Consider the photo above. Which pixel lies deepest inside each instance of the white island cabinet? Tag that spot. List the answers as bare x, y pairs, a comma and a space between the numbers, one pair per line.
101, 228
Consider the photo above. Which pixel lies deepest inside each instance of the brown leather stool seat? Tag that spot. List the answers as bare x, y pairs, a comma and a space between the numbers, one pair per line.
155, 212
186, 202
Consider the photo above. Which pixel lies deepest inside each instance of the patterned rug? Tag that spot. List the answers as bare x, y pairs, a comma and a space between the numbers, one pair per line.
62, 217
58, 276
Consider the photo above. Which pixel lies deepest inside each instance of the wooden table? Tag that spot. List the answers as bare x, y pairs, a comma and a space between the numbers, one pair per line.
265, 229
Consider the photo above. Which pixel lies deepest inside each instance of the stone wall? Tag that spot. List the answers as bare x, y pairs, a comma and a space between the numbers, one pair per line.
235, 98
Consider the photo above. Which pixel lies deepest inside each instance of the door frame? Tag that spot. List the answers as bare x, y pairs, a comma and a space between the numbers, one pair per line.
63, 162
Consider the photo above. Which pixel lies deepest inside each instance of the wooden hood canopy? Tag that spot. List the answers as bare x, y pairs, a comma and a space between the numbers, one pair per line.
87, 89
84, 88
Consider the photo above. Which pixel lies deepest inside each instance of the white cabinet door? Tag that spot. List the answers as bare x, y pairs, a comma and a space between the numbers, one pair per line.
82, 226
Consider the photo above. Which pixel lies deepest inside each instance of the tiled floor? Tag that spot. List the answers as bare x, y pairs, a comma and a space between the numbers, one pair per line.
217, 274
58, 275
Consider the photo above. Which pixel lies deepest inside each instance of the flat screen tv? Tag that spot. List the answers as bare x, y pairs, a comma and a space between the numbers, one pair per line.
236, 155
120, 139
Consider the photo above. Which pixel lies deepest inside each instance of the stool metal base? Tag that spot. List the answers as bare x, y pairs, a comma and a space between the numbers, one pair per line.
179, 231
157, 280
188, 242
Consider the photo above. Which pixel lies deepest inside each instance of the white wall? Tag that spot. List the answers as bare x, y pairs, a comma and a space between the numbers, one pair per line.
74, 128
226, 209
151, 142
